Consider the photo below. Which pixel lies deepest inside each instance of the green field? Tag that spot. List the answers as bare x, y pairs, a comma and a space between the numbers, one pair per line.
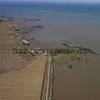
65, 58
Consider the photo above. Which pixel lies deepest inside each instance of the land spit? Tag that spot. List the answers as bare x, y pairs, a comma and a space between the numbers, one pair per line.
21, 76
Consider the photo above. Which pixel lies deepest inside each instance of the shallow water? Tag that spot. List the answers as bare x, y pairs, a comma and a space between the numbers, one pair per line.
79, 33
78, 23
82, 82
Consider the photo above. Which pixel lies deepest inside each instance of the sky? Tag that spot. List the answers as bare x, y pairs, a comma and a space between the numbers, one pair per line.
87, 1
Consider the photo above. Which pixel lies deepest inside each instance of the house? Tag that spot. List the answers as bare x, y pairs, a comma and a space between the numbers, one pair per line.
25, 42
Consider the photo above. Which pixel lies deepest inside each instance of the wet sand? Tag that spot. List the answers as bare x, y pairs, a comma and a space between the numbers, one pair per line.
81, 82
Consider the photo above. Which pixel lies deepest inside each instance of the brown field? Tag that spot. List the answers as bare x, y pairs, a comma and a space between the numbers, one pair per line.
20, 75
24, 84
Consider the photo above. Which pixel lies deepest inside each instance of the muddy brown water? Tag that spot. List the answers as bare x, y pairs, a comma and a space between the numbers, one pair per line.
81, 82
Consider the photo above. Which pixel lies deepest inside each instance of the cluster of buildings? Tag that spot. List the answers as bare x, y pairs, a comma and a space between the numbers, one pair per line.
24, 43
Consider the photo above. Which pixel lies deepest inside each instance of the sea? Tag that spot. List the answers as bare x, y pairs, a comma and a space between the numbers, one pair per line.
76, 23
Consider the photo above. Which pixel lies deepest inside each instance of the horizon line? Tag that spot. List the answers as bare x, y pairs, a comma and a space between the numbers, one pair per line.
56, 2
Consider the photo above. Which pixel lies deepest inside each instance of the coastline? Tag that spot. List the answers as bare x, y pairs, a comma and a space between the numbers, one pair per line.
31, 32
16, 41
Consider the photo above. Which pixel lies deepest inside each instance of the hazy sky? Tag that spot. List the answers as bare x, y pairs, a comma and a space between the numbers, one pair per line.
90, 1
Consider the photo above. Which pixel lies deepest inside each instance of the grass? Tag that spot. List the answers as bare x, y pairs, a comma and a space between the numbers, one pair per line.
65, 58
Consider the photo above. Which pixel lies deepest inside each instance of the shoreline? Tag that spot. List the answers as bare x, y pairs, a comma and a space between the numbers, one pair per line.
28, 49
17, 41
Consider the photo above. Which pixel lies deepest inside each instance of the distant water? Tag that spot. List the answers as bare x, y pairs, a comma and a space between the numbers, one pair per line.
78, 23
